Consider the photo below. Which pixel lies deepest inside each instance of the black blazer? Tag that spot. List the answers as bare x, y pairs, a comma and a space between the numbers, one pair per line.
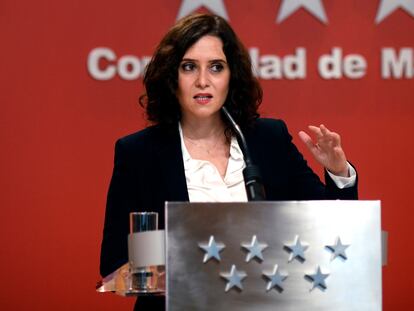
149, 170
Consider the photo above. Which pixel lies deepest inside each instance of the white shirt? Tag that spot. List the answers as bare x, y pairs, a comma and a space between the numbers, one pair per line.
205, 184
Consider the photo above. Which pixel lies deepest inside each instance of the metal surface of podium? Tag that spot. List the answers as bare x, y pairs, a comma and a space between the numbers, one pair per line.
287, 256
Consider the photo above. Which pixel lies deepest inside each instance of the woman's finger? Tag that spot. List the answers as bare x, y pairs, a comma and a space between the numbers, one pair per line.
315, 130
306, 139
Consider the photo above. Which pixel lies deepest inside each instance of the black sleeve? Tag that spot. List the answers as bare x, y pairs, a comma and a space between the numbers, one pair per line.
333, 192
124, 197
114, 248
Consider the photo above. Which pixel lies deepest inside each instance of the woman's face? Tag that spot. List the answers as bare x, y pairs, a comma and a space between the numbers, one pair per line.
203, 80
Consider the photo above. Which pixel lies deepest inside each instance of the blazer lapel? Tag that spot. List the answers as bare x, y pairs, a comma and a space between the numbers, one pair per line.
171, 165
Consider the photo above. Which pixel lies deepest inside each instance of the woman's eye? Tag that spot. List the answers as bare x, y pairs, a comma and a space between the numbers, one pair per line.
187, 66
217, 67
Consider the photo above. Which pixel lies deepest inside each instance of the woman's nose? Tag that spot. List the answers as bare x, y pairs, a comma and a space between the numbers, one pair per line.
202, 79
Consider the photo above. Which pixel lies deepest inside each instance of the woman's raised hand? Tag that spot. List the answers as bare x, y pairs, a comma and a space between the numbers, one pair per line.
326, 149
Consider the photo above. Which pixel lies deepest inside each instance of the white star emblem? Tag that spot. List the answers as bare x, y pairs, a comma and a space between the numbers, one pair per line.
318, 279
234, 278
275, 279
212, 249
297, 250
255, 249
214, 6
315, 7
388, 6
338, 249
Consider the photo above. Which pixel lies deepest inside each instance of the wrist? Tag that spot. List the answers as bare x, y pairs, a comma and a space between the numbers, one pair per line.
342, 173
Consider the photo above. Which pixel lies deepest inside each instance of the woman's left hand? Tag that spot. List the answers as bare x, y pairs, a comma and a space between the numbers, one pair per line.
327, 149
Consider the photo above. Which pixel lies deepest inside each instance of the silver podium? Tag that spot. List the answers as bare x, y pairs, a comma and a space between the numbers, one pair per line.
286, 256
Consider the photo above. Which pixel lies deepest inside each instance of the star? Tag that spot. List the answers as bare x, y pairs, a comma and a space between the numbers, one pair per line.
214, 6
388, 6
315, 7
275, 279
318, 279
338, 249
234, 278
255, 249
212, 249
297, 250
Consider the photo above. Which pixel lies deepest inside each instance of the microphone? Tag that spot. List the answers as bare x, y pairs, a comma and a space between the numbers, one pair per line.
252, 177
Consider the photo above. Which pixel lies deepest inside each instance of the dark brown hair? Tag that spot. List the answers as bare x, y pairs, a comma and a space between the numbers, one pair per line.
161, 76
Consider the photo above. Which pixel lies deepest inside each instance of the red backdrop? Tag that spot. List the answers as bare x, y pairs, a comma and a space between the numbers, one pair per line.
59, 124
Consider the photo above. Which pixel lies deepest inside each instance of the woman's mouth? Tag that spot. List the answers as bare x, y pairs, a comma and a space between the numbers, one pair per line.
203, 98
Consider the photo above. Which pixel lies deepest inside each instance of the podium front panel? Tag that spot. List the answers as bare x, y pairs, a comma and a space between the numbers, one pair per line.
340, 242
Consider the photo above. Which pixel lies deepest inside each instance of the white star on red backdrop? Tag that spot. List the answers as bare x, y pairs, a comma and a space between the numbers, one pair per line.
389, 6
315, 7
214, 6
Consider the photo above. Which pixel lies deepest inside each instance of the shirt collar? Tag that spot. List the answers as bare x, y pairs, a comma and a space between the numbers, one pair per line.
235, 151
186, 154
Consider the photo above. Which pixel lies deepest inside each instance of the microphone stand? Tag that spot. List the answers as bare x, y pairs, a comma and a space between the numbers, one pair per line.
252, 177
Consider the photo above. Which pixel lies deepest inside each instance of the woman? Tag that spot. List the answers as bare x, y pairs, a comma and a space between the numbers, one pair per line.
190, 153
